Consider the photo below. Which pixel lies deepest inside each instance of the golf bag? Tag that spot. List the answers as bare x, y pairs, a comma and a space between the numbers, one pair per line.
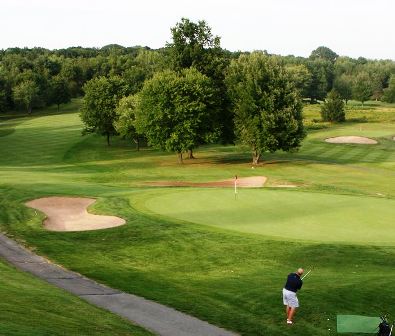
384, 327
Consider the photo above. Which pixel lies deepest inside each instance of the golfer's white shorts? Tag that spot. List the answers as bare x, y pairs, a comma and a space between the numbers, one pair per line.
290, 299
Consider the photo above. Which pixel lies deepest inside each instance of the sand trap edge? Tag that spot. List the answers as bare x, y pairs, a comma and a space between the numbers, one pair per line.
69, 214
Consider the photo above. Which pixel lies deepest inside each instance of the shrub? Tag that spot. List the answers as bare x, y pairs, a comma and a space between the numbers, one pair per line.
333, 108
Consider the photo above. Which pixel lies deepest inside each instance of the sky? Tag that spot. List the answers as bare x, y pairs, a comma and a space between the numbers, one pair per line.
349, 27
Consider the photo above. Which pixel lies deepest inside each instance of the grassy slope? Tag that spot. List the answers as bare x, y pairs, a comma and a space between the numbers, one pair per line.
229, 278
32, 307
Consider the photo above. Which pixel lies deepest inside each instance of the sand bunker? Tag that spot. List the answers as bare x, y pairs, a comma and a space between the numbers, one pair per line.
351, 140
242, 182
70, 214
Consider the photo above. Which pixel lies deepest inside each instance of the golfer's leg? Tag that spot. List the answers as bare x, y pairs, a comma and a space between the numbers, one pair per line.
291, 313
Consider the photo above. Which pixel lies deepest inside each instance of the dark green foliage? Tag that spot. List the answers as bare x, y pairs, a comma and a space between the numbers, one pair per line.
321, 78
176, 111
60, 91
125, 124
333, 108
324, 53
267, 107
301, 78
389, 93
25, 94
194, 45
363, 88
343, 86
101, 98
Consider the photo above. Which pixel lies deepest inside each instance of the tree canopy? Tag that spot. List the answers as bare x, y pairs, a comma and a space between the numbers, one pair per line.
101, 98
175, 110
267, 107
333, 108
125, 123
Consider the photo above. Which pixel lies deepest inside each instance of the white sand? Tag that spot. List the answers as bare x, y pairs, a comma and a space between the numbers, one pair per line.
352, 139
70, 214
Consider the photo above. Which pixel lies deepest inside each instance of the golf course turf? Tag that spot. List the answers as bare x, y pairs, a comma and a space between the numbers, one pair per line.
177, 248
305, 216
32, 307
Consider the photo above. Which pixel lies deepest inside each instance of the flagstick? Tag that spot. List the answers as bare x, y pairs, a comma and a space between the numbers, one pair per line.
235, 187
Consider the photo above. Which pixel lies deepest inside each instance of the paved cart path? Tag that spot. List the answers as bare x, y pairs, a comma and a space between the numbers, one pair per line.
152, 316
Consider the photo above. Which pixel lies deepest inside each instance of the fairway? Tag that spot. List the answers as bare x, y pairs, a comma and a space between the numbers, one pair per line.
281, 214
198, 249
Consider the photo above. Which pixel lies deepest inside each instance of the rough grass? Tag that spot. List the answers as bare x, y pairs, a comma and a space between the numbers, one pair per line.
32, 307
229, 278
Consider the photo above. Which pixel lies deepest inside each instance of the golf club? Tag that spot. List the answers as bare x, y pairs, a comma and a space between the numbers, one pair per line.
305, 275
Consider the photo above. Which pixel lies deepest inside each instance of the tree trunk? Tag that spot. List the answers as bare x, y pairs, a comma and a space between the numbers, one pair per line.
108, 139
29, 110
138, 144
180, 157
190, 154
255, 157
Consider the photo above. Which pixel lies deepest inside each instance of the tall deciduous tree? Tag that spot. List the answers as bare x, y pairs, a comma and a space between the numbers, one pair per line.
125, 124
194, 45
301, 77
60, 91
389, 93
98, 110
25, 94
321, 78
362, 89
324, 53
343, 86
267, 107
191, 45
175, 111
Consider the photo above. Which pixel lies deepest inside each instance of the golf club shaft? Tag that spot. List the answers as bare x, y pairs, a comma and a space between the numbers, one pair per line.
305, 275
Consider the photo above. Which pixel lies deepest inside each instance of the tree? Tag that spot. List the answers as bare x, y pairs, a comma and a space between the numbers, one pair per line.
333, 108
126, 119
362, 89
301, 78
267, 107
60, 91
194, 45
321, 78
176, 110
343, 86
389, 93
191, 45
324, 53
25, 94
98, 110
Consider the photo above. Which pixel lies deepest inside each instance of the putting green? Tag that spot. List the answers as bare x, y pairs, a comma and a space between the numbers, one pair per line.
283, 214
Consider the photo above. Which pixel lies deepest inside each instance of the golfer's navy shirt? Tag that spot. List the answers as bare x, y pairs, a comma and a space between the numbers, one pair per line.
293, 282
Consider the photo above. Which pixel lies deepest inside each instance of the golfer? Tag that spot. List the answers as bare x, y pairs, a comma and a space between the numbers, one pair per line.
290, 299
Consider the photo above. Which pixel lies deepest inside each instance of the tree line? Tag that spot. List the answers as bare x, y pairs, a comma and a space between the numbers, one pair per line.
191, 91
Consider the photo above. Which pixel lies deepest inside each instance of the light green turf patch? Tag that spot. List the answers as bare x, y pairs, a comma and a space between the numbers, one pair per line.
281, 214
357, 324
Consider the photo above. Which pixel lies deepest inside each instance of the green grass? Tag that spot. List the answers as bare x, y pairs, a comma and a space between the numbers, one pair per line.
32, 307
222, 272
305, 216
